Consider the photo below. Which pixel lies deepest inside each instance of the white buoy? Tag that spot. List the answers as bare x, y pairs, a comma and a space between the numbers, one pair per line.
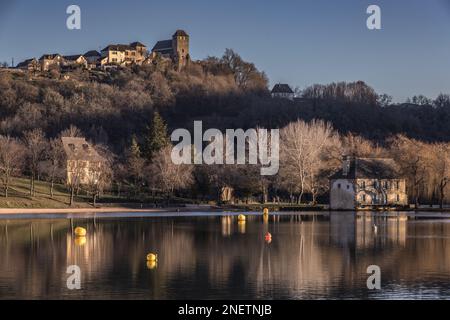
375, 228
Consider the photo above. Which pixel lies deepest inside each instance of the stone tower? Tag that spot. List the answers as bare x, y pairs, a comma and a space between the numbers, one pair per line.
180, 46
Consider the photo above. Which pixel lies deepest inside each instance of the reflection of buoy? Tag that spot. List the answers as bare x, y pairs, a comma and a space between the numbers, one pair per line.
80, 241
152, 265
375, 228
152, 257
266, 218
266, 211
241, 227
268, 237
80, 232
241, 218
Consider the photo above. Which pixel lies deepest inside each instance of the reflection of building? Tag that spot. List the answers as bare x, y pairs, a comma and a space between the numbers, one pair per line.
391, 230
367, 182
342, 229
82, 160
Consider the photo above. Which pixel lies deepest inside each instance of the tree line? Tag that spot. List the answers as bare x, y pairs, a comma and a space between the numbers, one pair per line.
127, 113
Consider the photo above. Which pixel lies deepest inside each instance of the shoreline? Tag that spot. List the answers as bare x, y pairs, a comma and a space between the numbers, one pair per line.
191, 209
38, 211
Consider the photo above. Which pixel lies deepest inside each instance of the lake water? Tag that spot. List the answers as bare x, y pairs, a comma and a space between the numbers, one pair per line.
311, 256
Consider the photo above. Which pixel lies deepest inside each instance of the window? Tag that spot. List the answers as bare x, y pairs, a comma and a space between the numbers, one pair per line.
364, 198
398, 198
348, 187
339, 185
363, 185
397, 185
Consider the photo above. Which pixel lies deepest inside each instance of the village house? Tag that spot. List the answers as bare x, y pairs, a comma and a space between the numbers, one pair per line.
176, 49
75, 60
121, 54
367, 183
49, 60
31, 65
83, 161
93, 58
135, 53
283, 91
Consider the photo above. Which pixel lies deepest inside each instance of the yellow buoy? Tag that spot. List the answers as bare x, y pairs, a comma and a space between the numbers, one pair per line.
266, 211
80, 241
241, 218
152, 257
80, 232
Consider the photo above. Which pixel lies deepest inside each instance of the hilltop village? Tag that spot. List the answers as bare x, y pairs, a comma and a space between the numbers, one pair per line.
175, 50
115, 109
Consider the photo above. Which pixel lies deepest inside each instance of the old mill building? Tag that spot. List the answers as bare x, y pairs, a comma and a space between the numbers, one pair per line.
367, 183
83, 161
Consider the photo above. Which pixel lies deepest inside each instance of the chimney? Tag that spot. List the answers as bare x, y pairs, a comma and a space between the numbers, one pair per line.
346, 163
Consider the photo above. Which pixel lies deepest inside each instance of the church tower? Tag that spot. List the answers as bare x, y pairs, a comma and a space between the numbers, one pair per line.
180, 46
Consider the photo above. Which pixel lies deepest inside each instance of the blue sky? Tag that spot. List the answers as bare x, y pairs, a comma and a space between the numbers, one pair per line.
300, 42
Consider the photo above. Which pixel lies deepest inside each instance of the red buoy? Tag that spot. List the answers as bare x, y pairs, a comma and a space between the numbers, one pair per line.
268, 237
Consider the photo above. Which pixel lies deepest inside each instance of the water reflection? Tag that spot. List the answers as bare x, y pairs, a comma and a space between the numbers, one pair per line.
308, 256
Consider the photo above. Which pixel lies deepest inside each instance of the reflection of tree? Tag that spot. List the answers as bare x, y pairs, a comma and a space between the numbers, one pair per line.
309, 257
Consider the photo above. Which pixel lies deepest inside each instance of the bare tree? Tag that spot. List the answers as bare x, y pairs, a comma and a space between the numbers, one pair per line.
440, 169
35, 145
410, 154
53, 164
307, 151
169, 176
359, 147
72, 132
11, 160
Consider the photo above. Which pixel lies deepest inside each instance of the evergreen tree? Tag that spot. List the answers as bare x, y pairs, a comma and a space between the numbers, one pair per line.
135, 165
135, 150
157, 137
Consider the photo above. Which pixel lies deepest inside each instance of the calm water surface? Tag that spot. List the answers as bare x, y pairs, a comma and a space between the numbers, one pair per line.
311, 256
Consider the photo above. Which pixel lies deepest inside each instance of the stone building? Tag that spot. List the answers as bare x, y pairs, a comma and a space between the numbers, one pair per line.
283, 91
367, 183
75, 60
176, 49
123, 54
31, 65
83, 161
93, 58
50, 60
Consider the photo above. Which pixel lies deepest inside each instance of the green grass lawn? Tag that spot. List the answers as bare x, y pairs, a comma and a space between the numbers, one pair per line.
19, 196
